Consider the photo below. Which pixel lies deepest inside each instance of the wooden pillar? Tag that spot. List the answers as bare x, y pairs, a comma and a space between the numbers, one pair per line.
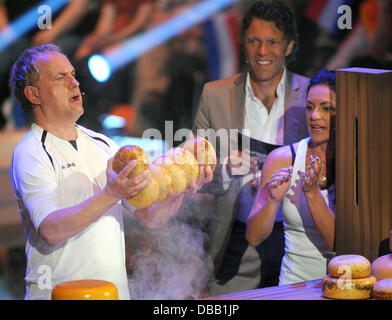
364, 160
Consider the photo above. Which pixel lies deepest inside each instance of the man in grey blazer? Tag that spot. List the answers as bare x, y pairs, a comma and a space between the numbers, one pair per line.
268, 103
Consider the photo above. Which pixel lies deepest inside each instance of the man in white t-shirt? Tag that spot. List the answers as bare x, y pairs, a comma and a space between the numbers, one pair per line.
68, 194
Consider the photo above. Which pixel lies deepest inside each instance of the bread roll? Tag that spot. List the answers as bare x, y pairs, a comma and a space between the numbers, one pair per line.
203, 151
187, 162
349, 265
148, 196
346, 289
382, 290
164, 180
176, 172
382, 267
126, 154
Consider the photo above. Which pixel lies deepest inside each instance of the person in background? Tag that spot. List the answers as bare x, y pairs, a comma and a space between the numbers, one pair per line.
69, 197
67, 29
300, 179
269, 101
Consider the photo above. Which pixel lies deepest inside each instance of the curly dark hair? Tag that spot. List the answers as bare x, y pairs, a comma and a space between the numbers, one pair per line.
277, 12
327, 77
25, 72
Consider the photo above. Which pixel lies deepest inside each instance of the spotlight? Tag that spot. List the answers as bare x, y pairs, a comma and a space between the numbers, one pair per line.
99, 67
136, 46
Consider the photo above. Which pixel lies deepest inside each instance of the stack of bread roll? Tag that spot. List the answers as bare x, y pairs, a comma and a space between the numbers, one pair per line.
382, 270
349, 278
171, 174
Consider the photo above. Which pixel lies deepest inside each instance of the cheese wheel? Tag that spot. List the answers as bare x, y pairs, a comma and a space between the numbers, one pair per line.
203, 151
350, 265
382, 267
347, 289
85, 290
382, 290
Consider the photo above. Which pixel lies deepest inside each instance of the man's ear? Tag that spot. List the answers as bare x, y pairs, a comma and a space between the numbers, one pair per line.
31, 93
289, 48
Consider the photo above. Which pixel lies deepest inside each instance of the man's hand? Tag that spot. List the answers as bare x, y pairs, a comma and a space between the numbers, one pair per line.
205, 176
120, 186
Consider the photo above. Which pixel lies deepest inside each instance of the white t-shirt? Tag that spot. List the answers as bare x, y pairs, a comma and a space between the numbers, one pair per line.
48, 174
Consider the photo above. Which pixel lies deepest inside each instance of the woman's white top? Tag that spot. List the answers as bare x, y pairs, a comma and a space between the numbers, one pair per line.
306, 253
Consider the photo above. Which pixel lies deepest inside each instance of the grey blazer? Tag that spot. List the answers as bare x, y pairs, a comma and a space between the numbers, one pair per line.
221, 106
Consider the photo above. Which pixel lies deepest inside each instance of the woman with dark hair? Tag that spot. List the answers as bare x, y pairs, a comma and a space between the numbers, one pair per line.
299, 177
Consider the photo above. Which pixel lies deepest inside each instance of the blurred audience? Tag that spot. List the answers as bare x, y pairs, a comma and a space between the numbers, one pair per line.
118, 20
369, 44
166, 76
68, 27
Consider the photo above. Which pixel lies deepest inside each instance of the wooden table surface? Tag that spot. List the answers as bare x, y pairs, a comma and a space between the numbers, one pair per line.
309, 290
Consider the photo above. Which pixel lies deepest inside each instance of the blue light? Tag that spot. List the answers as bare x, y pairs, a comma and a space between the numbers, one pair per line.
140, 44
26, 22
99, 67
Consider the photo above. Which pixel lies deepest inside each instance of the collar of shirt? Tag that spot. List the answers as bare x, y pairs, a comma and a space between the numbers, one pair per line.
264, 125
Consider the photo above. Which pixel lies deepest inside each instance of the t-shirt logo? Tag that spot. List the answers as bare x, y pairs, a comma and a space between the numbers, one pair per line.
68, 165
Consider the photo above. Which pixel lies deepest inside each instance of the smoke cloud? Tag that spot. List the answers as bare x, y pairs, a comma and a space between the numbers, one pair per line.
171, 262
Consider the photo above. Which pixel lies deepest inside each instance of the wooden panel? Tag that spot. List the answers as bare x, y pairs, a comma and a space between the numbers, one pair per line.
363, 168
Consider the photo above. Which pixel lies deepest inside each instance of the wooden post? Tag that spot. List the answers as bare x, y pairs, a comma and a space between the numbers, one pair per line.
364, 160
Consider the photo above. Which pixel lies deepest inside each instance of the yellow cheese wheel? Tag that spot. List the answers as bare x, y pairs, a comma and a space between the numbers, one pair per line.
382, 267
350, 265
85, 290
382, 290
347, 289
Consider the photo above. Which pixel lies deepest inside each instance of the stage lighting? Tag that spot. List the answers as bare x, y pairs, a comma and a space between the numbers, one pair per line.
28, 21
136, 46
99, 67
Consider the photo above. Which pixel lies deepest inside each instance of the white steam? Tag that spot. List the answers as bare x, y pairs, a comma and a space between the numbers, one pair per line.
170, 262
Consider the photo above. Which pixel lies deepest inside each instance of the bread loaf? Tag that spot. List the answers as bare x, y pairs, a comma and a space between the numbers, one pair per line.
382, 267
382, 290
350, 265
203, 151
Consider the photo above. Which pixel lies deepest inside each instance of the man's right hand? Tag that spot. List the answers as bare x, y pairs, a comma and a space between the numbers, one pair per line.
120, 186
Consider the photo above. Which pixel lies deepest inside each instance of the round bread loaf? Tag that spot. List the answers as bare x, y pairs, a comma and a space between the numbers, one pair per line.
187, 161
382, 267
347, 289
148, 196
382, 290
350, 265
203, 151
176, 172
164, 180
126, 154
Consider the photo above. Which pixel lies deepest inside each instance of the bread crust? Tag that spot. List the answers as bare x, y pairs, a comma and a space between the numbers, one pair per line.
350, 265
382, 290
